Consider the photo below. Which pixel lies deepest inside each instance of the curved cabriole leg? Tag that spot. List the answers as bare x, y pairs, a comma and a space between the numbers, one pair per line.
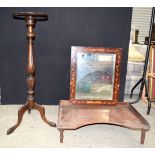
41, 109
61, 135
21, 112
143, 132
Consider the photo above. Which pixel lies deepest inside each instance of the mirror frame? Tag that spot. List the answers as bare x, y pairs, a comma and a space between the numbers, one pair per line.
73, 75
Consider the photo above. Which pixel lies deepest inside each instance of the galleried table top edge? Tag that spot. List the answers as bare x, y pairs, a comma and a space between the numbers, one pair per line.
73, 116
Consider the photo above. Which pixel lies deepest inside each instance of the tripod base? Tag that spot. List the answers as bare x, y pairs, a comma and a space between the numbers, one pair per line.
26, 107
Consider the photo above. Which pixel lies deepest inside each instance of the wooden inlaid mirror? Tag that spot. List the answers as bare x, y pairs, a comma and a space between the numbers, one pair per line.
95, 74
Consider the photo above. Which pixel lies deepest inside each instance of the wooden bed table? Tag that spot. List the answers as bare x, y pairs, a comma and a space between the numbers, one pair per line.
73, 116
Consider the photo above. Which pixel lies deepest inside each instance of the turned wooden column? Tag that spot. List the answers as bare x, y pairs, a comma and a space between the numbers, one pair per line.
30, 19
30, 22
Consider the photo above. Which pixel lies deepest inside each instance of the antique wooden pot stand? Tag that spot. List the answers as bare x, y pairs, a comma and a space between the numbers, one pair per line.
30, 18
76, 113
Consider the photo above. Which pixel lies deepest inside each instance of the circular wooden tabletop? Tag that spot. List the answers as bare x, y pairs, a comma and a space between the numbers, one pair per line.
23, 15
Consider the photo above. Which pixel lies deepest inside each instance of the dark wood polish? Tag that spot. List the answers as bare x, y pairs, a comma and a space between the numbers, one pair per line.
30, 19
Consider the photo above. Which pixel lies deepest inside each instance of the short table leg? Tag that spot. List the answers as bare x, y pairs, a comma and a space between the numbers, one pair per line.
61, 135
143, 132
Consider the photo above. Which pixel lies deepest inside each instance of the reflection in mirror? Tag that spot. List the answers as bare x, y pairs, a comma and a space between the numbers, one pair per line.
95, 76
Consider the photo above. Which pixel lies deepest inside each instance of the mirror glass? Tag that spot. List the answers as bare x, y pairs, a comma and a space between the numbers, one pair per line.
95, 76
